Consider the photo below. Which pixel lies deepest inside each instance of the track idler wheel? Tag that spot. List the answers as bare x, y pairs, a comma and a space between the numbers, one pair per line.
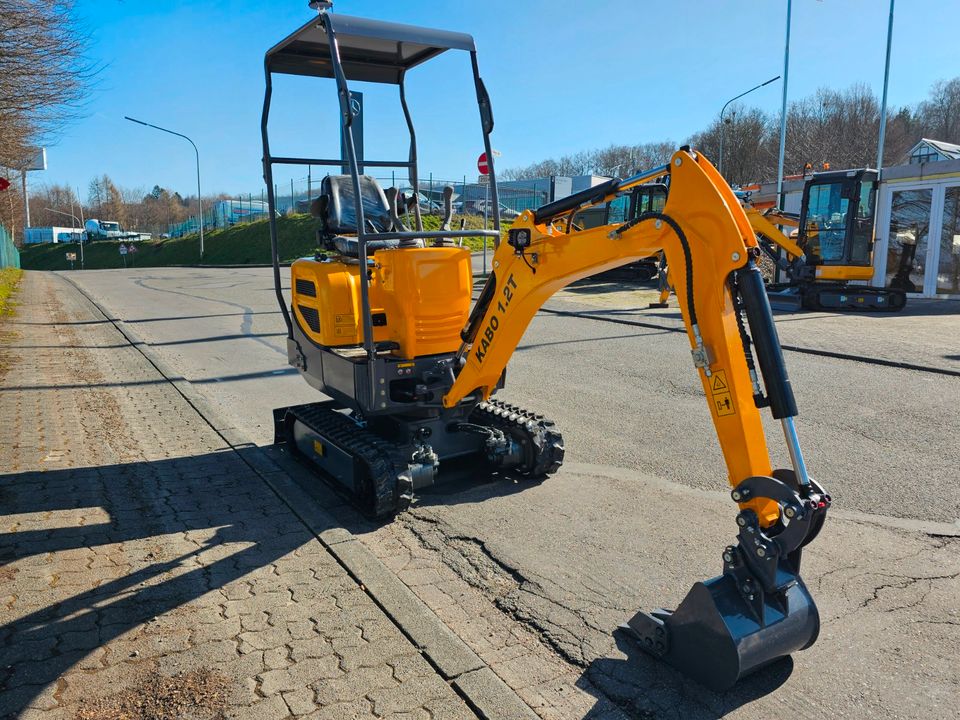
759, 609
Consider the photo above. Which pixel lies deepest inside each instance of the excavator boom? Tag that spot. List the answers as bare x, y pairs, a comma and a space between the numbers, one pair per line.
711, 246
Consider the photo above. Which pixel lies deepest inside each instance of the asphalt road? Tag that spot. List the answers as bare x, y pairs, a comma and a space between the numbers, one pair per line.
638, 511
882, 439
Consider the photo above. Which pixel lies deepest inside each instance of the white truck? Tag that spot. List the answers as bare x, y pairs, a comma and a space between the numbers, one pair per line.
108, 230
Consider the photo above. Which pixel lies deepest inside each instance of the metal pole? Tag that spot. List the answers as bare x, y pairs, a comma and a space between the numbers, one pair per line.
26, 200
73, 222
783, 109
79, 234
724, 109
486, 203
883, 102
197, 153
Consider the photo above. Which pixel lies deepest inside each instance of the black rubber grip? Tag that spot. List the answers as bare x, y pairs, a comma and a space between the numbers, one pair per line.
767, 343
571, 202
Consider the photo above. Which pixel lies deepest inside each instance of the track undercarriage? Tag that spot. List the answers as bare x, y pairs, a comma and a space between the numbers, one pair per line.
836, 296
381, 462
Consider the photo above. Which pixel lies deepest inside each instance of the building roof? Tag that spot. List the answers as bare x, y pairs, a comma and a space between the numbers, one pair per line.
951, 150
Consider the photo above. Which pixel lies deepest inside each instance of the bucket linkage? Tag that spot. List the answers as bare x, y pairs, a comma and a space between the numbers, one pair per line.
759, 609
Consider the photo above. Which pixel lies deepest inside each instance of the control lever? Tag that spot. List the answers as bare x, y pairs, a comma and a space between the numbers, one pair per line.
395, 220
447, 207
447, 217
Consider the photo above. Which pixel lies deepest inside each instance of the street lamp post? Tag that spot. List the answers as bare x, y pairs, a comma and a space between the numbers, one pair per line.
783, 112
75, 220
723, 127
197, 152
883, 105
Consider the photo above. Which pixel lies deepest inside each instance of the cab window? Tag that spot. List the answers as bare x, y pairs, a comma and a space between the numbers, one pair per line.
826, 222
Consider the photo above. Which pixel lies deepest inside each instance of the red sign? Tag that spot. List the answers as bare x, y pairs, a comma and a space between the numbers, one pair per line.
482, 165
4, 183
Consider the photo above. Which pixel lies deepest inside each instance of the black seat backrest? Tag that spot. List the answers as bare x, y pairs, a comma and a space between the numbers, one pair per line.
339, 210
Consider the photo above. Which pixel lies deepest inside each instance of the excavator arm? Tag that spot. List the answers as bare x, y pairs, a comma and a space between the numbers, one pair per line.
759, 609
765, 224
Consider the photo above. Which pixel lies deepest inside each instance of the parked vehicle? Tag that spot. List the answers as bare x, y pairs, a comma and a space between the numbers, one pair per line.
426, 204
479, 207
108, 230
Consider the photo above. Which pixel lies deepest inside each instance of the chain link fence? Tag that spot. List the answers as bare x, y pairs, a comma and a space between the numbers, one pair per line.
9, 255
295, 196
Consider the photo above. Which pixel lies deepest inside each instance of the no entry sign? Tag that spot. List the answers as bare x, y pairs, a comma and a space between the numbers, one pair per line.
482, 165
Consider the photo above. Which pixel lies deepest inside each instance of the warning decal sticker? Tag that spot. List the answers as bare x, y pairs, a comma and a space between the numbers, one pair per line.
720, 394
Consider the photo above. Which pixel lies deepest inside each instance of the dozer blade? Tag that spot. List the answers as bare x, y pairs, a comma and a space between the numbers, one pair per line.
715, 637
787, 299
759, 609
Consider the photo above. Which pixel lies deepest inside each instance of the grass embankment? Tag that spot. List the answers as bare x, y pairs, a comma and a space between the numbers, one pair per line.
9, 278
239, 245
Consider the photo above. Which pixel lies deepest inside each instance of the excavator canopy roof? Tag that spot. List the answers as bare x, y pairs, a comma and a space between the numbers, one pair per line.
370, 50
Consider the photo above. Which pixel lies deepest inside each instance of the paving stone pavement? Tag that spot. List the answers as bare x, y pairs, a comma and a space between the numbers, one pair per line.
471, 592
138, 551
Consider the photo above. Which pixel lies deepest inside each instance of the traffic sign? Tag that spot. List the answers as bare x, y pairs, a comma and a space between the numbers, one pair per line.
123, 249
71, 256
132, 248
482, 164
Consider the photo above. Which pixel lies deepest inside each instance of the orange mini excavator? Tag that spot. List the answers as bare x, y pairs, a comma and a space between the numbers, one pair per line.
381, 322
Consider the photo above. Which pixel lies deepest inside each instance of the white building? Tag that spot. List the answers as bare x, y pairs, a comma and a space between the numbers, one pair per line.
928, 150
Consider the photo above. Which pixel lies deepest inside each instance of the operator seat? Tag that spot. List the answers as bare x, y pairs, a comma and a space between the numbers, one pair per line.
336, 208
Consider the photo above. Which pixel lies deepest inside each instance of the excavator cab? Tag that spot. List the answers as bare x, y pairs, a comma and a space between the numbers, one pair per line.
827, 261
648, 198
836, 223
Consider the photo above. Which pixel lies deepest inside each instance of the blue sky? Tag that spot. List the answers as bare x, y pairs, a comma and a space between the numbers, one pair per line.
563, 75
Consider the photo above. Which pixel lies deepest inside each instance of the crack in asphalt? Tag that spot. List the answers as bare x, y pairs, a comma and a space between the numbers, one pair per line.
505, 586
904, 582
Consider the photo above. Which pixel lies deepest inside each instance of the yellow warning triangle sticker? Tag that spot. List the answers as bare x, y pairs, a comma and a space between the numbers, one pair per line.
718, 383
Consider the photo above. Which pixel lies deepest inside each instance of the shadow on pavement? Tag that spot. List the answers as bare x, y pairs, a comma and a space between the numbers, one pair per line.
153, 509
158, 381
642, 687
458, 485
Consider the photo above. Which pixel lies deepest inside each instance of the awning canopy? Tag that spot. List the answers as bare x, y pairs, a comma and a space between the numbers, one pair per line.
370, 50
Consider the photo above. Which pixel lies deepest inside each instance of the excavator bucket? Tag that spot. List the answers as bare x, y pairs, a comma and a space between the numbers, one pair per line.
715, 637
758, 610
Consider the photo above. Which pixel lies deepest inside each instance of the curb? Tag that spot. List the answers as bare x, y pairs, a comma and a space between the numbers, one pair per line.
486, 694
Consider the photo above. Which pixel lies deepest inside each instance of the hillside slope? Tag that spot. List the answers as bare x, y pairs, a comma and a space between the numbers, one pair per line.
239, 245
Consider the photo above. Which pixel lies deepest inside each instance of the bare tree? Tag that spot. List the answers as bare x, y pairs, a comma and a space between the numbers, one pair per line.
746, 134
939, 115
619, 160
44, 75
44, 78
835, 127
49, 201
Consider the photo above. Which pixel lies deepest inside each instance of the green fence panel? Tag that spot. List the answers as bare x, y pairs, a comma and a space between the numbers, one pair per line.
9, 255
